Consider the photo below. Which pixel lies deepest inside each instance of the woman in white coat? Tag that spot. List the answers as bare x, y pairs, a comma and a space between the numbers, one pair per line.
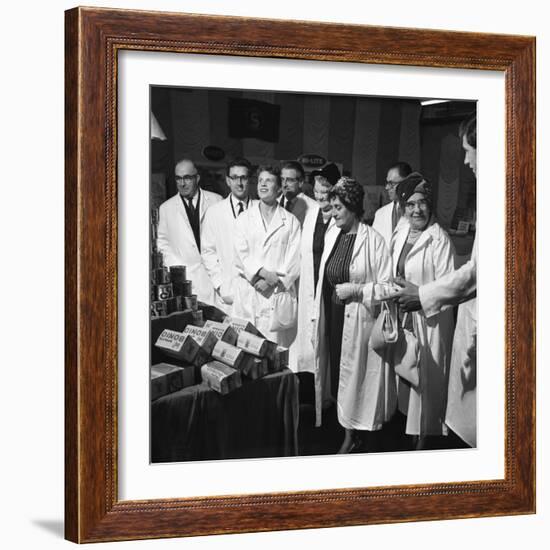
355, 259
317, 220
267, 263
423, 252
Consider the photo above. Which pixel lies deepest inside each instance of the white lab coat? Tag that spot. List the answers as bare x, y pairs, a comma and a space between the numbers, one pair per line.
366, 390
301, 352
461, 415
383, 222
461, 404
177, 242
431, 257
217, 248
275, 249
456, 287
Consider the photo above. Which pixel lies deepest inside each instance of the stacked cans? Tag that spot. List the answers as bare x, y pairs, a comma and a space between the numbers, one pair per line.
170, 289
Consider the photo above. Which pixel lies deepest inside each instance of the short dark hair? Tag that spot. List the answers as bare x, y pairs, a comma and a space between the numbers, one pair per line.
468, 128
294, 165
270, 169
351, 195
240, 161
403, 168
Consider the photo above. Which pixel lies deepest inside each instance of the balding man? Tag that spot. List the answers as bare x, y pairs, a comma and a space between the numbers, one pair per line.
387, 218
180, 225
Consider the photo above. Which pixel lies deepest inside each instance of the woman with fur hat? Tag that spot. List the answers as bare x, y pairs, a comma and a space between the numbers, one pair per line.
423, 252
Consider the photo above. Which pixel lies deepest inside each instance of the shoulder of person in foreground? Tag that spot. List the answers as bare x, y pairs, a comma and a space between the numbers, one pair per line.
211, 196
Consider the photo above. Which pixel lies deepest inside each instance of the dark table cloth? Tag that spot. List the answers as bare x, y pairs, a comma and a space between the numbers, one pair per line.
260, 419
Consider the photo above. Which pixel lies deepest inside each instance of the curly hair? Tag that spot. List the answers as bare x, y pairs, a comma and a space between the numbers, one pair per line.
351, 195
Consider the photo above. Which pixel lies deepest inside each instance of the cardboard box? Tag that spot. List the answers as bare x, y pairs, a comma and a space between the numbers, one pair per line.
242, 324
228, 354
252, 344
280, 360
166, 379
256, 368
179, 345
221, 378
224, 332
204, 337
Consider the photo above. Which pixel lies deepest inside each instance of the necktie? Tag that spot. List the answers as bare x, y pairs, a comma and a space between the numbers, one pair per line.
394, 217
288, 206
191, 207
240, 208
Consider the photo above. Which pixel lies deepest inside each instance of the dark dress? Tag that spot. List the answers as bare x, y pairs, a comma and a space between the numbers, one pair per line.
336, 272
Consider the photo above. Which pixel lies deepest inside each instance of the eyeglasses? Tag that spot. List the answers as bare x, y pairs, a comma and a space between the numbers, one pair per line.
422, 203
238, 178
391, 184
186, 179
289, 180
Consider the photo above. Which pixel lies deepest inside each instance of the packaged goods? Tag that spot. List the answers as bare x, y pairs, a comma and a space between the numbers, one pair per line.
177, 344
252, 344
242, 324
163, 292
220, 377
166, 379
159, 308
255, 368
228, 354
223, 331
204, 337
178, 273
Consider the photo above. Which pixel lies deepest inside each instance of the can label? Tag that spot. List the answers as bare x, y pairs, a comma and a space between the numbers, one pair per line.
191, 302
159, 309
164, 291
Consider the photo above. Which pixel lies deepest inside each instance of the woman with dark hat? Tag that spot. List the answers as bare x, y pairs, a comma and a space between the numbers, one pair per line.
355, 259
423, 252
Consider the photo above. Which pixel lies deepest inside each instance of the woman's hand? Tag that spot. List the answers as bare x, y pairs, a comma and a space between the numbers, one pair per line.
349, 292
407, 296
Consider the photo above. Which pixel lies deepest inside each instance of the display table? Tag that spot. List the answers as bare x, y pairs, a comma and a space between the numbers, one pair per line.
260, 419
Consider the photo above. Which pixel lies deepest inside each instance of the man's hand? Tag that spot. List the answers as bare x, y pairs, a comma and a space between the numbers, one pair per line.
264, 288
272, 277
407, 296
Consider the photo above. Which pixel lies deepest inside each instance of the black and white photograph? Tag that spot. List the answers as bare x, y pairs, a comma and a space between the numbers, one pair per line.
312, 274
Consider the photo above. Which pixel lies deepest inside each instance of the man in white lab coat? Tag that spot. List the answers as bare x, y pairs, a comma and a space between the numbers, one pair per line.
457, 287
389, 217
218, 234
180, 227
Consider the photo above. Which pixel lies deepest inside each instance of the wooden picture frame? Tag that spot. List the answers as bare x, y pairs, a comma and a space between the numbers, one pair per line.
93, 511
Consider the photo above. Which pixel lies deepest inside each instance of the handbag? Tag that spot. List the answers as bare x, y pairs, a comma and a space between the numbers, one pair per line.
406, 355
385, 330
284, 310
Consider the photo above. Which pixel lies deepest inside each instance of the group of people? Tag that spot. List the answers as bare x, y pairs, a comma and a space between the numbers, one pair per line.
311, 275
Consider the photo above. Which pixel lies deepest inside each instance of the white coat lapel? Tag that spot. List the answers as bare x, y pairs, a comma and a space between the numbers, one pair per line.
423, 240
396, 246
362, 234
277, 221
204, 204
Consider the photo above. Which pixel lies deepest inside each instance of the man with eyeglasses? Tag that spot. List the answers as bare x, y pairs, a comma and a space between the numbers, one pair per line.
219, 232
293, 199
389, 217
180, 227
